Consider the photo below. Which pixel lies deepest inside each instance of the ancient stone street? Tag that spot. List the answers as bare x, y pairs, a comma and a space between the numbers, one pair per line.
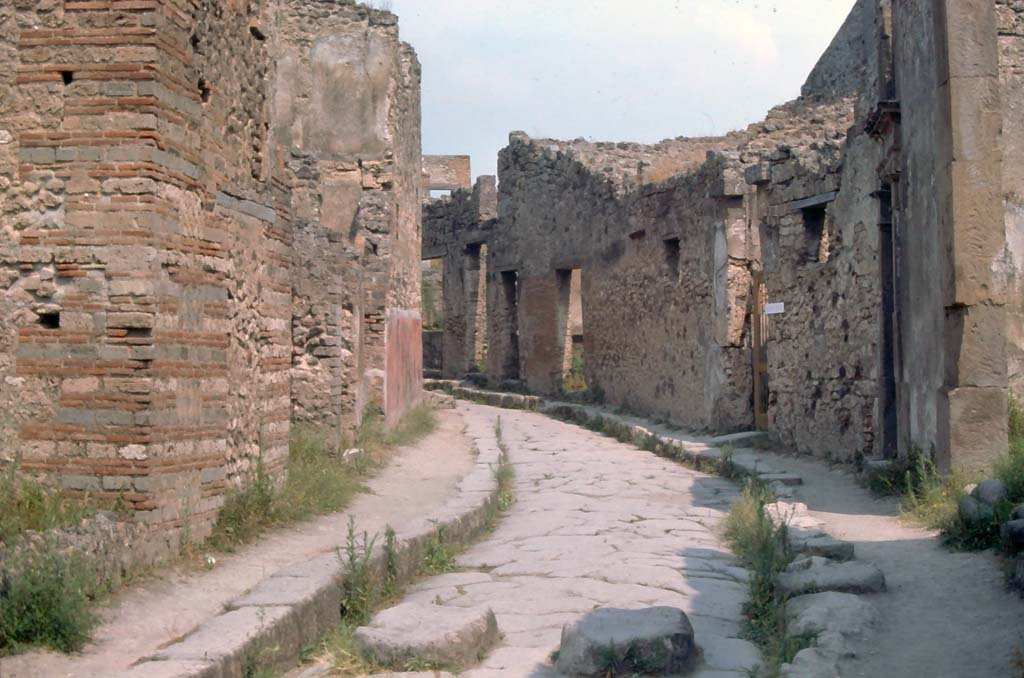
596, 523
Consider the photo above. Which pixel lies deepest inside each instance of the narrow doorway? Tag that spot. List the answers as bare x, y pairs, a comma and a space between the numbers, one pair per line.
475, 286
759, 351
509, 324
888, 350
432, 301
570, 324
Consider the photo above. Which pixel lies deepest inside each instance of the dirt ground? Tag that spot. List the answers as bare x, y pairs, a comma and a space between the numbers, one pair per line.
168, 604
945, 615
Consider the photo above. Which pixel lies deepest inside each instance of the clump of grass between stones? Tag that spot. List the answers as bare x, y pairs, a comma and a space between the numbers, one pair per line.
27, 505
931, 499
359, 593
46, 597
319, 480
762, 547
438, 553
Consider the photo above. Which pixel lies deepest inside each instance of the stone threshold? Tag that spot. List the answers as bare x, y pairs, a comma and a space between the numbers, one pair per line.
267, 627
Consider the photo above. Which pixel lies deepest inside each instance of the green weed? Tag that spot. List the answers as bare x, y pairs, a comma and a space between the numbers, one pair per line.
45, 599
763, 548
27, 505
359, 591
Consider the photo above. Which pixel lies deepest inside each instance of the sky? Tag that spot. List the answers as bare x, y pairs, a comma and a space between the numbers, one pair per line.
606, 70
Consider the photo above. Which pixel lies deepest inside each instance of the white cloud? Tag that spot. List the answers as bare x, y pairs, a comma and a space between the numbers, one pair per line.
642, 70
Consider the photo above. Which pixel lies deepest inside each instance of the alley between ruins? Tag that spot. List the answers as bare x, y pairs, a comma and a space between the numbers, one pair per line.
596, 523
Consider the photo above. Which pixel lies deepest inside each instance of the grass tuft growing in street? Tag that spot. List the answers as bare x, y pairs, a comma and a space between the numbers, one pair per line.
762, 547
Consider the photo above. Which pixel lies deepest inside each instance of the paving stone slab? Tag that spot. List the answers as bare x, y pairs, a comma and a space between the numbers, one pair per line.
451, 636
812, 662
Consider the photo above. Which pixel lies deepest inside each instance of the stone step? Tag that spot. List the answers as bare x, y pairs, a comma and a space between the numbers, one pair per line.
816, 574
448, 636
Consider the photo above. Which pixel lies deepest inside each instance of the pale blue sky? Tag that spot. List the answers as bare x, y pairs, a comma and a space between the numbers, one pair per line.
608, 70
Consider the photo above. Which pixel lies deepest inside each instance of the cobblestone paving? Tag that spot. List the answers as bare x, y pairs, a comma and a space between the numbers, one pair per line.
596, 523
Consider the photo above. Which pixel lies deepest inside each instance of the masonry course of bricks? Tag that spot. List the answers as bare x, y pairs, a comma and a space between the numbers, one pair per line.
153, 228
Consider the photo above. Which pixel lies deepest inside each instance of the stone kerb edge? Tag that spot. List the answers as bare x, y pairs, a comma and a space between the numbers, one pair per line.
293, 607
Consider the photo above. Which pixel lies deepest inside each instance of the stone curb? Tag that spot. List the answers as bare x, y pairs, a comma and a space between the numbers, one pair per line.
692, 449
508, 401
268, 626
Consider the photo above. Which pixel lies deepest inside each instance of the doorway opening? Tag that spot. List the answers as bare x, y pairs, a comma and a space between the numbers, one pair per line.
507, 317
887, 345
432, 301
475, 286
759, 350
570, 323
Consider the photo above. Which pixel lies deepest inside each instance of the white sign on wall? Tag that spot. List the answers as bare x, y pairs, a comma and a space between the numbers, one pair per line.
775, 308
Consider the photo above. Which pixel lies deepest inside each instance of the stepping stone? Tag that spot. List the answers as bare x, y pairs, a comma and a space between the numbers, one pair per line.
824, 546
610, 641
449, 636
814, 574
812, 662
831, 611
790, 479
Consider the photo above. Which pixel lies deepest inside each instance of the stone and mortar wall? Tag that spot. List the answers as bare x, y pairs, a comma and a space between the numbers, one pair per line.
660, 334
144, 256
821, 352
446, 173
799, 201
455, 230
147, 258
346, 114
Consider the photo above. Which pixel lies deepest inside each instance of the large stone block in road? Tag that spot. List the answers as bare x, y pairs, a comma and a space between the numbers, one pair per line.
450, 636
610, 641
815, 574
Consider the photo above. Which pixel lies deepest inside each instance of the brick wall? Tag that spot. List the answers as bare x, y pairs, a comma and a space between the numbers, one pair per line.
155, 325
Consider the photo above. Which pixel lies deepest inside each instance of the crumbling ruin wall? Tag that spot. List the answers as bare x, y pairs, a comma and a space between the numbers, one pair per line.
456, 229
147, 263
346, 115
663, 268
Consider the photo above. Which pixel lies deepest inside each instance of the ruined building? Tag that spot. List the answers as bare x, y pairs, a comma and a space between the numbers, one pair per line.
845, 273
209, 231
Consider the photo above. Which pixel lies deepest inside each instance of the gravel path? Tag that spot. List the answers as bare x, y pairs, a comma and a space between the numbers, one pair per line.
596, 523
164, 607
